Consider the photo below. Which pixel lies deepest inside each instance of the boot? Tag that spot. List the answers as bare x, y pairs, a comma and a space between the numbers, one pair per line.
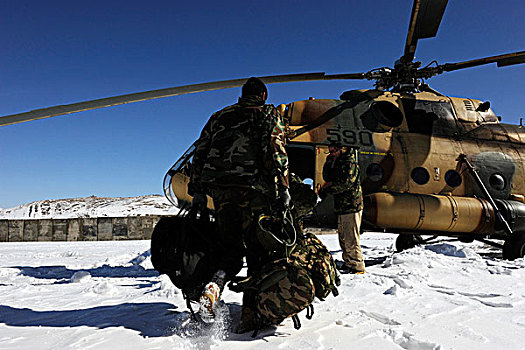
210, 295
345, 269
248, 321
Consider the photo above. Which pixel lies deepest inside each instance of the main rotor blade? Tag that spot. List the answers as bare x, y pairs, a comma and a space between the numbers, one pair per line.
173, 91
424, 23
502, 61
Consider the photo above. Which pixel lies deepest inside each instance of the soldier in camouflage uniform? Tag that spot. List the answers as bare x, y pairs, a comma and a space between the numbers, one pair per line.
241, 162
341, 171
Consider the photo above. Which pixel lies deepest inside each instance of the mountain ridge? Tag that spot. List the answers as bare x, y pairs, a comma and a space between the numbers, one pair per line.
90, 207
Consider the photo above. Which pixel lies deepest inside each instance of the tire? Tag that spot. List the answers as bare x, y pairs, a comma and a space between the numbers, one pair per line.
407, 241
466, 239
514, 247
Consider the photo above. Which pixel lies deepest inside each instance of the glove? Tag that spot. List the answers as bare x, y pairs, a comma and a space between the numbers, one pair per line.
323, 193
284, 196
199, 201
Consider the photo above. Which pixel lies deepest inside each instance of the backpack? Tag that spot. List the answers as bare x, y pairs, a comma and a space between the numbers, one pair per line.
182, 248
283, 288
312, 255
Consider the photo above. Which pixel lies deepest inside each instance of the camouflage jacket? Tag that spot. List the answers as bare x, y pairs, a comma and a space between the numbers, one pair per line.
343, 173
241, 146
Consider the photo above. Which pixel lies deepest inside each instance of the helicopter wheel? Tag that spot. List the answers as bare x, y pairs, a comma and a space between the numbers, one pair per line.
407, 241
514, 247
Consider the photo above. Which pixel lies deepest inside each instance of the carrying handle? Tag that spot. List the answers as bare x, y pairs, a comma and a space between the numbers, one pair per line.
286, 220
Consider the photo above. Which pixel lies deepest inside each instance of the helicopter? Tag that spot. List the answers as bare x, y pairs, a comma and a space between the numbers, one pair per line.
431, 164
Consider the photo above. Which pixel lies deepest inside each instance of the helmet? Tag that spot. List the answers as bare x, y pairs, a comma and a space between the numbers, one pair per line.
276, 234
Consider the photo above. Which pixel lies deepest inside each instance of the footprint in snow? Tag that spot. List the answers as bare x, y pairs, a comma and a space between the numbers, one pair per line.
380, 318
408, 341
494, 304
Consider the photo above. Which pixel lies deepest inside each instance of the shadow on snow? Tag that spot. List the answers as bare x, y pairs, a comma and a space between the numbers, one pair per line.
62, 272
149, 319
154, 319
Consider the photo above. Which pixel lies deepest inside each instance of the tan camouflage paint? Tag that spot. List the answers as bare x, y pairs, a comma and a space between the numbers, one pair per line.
406, 150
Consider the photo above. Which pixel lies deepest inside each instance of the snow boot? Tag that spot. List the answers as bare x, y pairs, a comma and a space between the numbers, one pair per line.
210, 296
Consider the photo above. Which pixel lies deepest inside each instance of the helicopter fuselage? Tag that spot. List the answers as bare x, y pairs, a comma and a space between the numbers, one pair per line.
409, 152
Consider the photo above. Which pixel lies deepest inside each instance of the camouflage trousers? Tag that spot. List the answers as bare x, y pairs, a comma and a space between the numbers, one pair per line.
348, 227
235, 213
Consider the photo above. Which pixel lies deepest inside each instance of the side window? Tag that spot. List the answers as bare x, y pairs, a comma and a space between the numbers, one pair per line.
429, 117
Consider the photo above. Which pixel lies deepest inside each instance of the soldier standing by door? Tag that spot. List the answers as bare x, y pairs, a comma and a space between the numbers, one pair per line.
341, 173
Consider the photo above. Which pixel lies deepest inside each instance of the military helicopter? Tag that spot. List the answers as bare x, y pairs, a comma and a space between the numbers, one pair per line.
432, 165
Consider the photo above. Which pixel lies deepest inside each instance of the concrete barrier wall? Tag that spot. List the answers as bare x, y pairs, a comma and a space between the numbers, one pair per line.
79, 229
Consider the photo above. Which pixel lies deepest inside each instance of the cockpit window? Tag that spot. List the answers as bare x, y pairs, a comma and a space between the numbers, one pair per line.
429, 117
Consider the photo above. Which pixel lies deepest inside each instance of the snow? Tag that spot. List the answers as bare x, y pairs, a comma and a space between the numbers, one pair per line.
91, 207
106, 295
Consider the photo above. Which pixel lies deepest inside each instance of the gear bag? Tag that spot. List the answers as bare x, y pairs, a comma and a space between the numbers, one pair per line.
311, 254
182, 248
283, 288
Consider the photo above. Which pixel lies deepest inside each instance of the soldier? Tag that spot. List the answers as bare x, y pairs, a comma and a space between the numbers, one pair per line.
241, 162
341, 171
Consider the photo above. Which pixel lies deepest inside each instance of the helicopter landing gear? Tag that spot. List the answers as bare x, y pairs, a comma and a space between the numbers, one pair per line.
514, 246
407, 241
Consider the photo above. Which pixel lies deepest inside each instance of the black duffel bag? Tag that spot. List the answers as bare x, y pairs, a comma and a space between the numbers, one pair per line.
183, 248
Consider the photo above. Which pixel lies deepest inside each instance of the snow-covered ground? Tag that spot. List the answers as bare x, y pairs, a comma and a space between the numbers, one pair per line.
106, 295
91, 207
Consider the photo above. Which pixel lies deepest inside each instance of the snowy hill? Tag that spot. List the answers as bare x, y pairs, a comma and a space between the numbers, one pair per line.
91, 207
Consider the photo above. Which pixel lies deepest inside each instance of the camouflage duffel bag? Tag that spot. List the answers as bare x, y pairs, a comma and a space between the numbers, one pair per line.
312, 255
284, 288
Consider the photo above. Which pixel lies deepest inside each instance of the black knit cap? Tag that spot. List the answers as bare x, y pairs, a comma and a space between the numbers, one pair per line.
253, 87
336, 144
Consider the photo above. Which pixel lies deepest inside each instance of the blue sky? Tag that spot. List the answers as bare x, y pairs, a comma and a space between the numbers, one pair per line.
59, 52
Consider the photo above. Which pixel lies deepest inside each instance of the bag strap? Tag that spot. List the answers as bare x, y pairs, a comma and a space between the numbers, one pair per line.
241, 284
193, 212
286, 219
296, 321
310, 311
188, 305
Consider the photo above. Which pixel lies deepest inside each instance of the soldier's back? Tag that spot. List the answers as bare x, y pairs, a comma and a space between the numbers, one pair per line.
235, 151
